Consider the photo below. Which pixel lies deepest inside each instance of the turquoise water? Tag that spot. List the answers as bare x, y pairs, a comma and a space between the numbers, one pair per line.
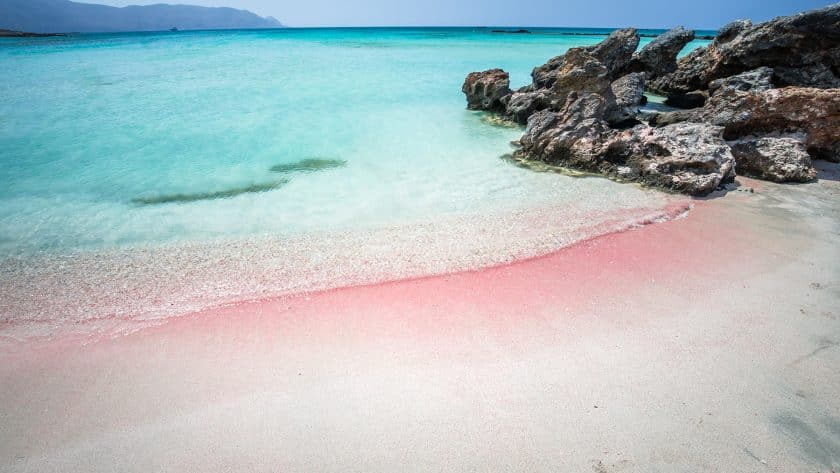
93, 124
146, 175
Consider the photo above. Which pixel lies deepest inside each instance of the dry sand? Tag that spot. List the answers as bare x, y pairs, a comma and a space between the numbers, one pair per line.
709, 343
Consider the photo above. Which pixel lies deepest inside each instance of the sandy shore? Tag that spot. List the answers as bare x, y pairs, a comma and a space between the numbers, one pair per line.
708, 343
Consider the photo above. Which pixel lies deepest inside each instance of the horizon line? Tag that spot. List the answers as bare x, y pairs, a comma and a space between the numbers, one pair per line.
289, 27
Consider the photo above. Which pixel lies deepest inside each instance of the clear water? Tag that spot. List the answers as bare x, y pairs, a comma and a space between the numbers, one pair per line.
140, 140
93, 123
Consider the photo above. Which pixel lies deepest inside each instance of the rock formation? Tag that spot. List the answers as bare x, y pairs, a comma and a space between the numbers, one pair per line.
659, 57
614, 53
802, 50
779, 159
581, 108
751, 81
813, 112
485, 90
629, 90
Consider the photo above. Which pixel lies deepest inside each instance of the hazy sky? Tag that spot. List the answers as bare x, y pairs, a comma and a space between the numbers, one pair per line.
607, 13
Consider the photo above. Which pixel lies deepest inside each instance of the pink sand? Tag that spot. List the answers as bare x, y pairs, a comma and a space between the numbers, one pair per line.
707, 343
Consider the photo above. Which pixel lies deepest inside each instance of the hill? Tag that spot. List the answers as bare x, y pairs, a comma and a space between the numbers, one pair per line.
50, 16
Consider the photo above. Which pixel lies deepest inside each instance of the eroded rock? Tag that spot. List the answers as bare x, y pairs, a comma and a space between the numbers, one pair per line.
774, 158
521, 105
814, 112
581, 108
614, 53
485, 90
756, 80
802, 49
659, 57
629, 90
691, 158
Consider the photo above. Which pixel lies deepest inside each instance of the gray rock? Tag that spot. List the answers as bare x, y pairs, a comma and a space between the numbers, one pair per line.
544, 76
485, 90
755, 80
819, 75
576, 144
616, 52
581, 73
629, 90
521, 105
659, 57
691, 158
805, 42
688, 77
774, 158
814, 112
581, 108
732, 29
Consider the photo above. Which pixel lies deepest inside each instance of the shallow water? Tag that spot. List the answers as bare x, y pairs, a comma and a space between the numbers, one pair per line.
160, 142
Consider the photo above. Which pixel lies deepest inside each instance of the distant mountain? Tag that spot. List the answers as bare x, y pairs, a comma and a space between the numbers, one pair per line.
51, 16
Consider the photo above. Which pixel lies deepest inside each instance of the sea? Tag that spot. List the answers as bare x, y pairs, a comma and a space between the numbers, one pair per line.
150, 175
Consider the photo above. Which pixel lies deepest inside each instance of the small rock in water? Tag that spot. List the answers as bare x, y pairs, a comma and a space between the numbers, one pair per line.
485, 90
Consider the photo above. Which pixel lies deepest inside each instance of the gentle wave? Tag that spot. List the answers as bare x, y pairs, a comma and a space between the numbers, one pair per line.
106, 293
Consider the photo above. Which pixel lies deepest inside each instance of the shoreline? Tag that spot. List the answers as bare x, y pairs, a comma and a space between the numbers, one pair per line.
128, 289
701, 344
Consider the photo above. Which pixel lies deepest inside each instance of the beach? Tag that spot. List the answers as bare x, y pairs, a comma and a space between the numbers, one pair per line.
141, 187
705, 343
305, 249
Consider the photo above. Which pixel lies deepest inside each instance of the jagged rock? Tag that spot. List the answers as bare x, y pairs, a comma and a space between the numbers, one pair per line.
691, 158
581, 72
544, 76
485, 90
614, 53
688, 77
812, 75
617, 50
755, 80
580, 75
521, 105
659, 57
581, 108
815, 112
802, 48
575, 142
774, 158
732, 29
629, 90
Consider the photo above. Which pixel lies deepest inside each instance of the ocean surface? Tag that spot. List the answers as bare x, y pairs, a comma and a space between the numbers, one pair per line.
150, 174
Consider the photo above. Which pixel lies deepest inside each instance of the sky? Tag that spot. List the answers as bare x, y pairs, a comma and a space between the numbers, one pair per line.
700, 14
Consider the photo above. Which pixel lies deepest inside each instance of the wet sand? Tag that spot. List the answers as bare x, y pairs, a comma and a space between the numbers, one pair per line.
708, 343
